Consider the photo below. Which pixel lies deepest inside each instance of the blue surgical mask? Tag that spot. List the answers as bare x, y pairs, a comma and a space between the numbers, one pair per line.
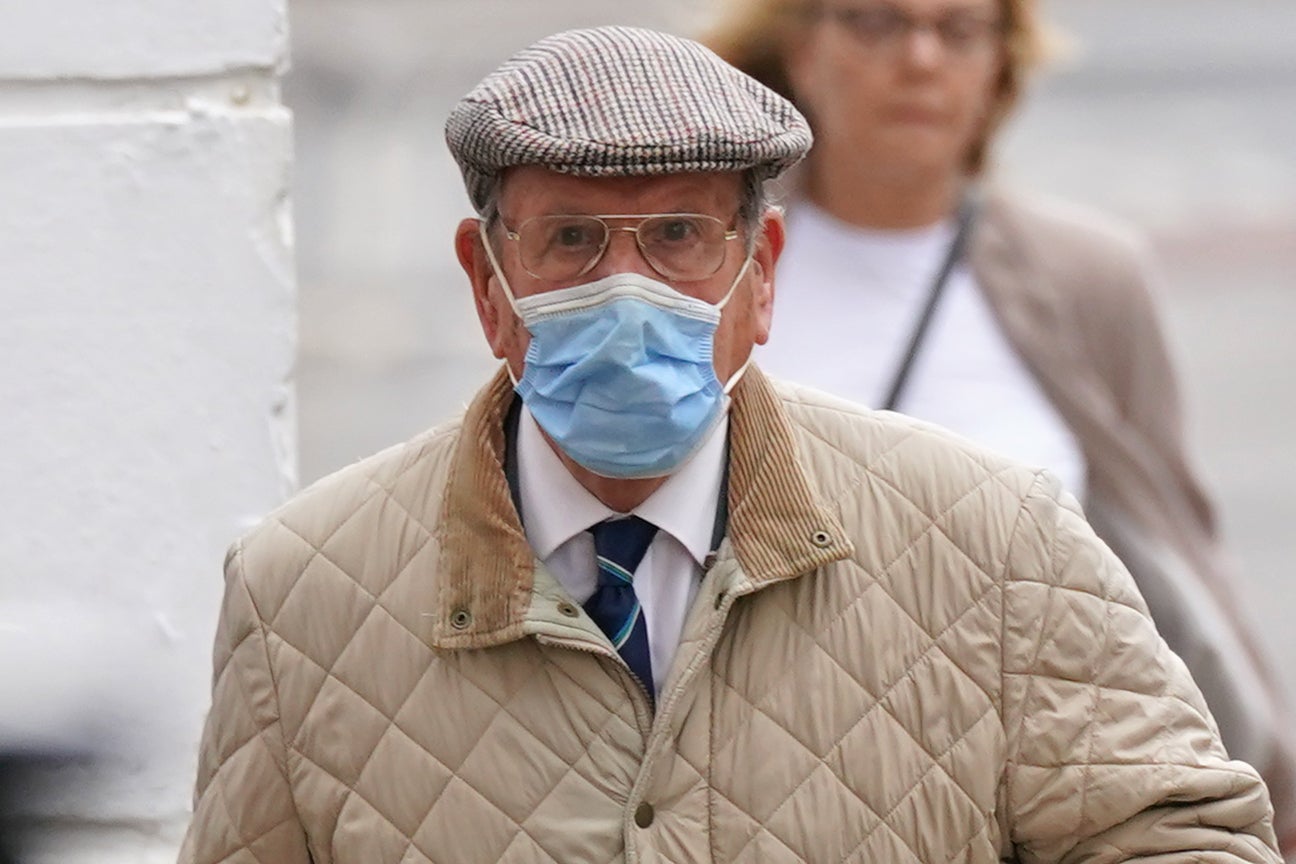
619, 372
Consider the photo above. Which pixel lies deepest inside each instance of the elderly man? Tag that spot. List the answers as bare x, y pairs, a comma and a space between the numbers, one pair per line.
640, 603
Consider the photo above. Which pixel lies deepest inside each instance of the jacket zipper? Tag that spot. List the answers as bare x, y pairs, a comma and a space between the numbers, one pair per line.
724, 602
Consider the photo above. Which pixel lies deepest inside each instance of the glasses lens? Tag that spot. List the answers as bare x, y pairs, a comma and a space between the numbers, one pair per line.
964, 32
557, 248
683, 246
881, 26
873, 25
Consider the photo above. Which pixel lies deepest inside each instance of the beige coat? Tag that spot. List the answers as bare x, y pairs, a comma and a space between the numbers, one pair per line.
1073, 297
907, 650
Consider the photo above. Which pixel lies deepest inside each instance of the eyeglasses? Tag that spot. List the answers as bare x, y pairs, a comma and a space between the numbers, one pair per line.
964, 33
683, 247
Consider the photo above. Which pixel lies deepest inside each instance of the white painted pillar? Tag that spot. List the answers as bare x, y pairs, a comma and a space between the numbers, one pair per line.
147, 333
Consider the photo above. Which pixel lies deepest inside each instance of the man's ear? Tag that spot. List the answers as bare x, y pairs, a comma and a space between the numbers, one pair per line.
471, 252
769, 246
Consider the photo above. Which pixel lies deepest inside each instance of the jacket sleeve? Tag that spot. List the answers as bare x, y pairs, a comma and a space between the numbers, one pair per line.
1196, 607
243, 807
1112, 754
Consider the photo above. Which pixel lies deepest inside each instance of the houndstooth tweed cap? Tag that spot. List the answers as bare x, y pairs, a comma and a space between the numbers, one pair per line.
615, 101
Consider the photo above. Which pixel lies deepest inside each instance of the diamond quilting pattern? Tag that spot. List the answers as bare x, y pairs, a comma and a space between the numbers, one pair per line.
322, 630
1069, 620
267, 848
880, 748
763, 666
819, 800
941, 809
570, 692
774, 764
367, 832
248, 763
937, 598
298, 681
810, 671
509, 747
387, 684
547, 767
895, 757
340, 732
401, 780
501, 681
492, 830
839, 745
919, 712
551, 827
295, 551
937, 706
228, 690
466, 711
874, 612
370, 564
882, 843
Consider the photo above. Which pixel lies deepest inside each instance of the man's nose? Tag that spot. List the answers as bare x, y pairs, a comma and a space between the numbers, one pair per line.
622, 255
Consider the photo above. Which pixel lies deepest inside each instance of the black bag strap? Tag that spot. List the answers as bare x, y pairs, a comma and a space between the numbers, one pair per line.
966, 214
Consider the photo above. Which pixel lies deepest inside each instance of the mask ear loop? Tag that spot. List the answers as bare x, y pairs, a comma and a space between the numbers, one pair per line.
742, 271
495, 266
738, 374
504, 285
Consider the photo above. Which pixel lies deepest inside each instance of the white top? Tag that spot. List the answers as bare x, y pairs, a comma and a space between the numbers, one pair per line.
557, 513
846, 305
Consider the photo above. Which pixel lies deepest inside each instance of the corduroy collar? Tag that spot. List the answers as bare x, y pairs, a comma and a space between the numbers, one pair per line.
778, 527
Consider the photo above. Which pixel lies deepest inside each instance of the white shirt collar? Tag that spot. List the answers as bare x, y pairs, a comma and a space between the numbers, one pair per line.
555, 507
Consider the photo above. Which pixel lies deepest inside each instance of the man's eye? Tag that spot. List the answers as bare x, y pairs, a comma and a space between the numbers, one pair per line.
674, 231
573, 236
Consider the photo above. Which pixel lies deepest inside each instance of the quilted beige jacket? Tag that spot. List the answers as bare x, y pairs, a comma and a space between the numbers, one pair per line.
906, 651
1075, 295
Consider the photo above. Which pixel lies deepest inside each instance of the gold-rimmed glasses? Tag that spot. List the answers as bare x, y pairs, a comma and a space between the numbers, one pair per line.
682, 247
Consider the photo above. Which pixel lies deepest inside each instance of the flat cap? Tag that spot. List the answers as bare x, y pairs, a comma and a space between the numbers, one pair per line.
618, 101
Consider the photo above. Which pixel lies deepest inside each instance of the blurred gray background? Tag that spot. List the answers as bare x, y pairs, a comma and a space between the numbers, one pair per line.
1176, 115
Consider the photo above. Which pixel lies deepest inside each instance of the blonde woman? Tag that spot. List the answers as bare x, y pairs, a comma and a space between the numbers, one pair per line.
1024, 324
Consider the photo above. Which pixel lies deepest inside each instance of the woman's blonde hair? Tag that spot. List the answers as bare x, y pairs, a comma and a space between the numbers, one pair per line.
757, 36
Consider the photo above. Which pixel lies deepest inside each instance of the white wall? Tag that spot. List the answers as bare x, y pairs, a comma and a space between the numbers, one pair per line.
147, 334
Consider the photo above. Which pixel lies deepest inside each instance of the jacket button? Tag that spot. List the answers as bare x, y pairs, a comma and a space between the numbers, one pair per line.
568, 609
460, 619
821, 538
644, 815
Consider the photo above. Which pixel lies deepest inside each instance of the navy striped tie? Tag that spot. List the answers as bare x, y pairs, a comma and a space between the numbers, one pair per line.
620, 545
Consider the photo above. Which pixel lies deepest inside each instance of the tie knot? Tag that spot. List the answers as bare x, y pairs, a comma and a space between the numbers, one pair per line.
620, 545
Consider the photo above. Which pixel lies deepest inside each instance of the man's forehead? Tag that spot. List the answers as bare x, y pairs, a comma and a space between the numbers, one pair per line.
535, 188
